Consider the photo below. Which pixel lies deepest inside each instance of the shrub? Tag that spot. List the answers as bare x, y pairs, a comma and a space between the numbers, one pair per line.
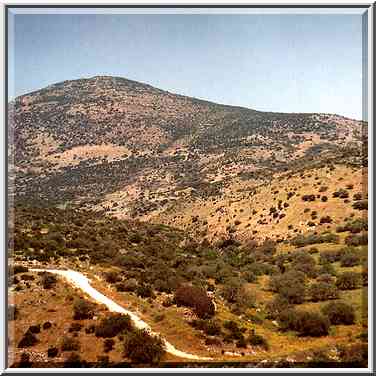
354, 226
348, 281
144, 291
327, 268
276, 306
349, 258
355, 355
20, 269
245, 298
323, 291
326, 219
311, 324
241, 342
52, 352
305, 263
209, 327
213, 341
70, 344
324, 198
168, 302
309, 197
112, 277
268, 247
258, 340
356, 240
74, 361
341, 193
326, 278
48, 281
75, 327
141, 347
357, 196
90, 329
301, 240
236, 333
26, 277
287, 319
290, 285
35, 329
111, 326
361, 205
196, 298
29, 339
108, 345
249, 276
329, 256
82, 310
339, 313
129, 285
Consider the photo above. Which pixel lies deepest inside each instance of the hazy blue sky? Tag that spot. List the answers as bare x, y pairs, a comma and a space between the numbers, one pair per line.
287, 63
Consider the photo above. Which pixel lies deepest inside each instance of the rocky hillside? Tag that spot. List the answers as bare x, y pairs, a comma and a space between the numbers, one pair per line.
128, 148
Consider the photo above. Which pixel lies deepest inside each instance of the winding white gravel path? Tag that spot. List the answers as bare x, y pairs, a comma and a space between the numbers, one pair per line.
79, 280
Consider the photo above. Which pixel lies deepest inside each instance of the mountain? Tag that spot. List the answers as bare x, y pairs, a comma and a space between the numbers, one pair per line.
127, 148
235, 234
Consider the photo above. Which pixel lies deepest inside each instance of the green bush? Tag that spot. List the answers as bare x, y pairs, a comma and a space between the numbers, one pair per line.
323, 291
348, 281
357, 240
113, 325
258, 340
341, 193
301, 240
349, 257
329, 256
326, 278
142, 348
326, 219
236, 333
339, 313
275, 306
48, 281
355, 226
70, 344
361, 205
327, 268
290, 285
83, 310
145, 291
112, 277
20, 269
304, 262
209, 327
306, 323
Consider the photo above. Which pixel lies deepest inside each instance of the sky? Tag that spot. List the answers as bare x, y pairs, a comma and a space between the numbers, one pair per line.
268, 62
